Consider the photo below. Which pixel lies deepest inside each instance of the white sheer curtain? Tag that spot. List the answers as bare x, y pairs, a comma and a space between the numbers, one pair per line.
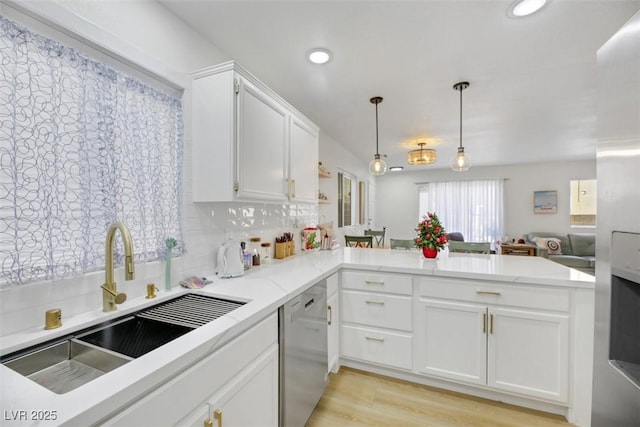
81, 145
473, 208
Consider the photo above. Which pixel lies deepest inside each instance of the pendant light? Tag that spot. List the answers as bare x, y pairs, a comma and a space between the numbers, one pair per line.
460, 161
377, 166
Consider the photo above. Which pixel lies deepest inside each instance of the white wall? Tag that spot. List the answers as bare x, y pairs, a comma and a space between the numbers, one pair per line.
397, 195
336, 158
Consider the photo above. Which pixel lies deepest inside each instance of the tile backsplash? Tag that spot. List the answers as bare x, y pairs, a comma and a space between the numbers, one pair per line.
206, 227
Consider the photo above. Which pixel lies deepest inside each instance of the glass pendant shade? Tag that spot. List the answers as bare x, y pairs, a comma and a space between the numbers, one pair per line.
377, 166
460, 161
421, 156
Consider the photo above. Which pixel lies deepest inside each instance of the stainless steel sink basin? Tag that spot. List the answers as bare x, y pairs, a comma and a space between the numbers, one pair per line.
134, 336
67, 365
62, 366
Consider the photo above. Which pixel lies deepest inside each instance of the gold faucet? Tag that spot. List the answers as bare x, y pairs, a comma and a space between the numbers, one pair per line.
110, 295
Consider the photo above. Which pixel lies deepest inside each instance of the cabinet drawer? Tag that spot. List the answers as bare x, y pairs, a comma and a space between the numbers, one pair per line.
496, 293
376, 346
377, 282
373, 309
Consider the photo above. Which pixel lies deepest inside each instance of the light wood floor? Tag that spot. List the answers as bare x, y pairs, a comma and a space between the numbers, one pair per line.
357, 398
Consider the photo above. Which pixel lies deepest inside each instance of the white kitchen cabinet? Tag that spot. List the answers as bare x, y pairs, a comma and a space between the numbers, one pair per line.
239, 377
528, 353
333, 323
376, 321
451, 340
248, 142
250, 399
517, 349
303, 161
261, 146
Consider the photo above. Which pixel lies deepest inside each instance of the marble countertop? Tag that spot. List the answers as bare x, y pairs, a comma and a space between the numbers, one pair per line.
263, 289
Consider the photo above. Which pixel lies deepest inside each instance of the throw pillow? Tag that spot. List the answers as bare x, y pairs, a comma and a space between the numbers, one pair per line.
549, 243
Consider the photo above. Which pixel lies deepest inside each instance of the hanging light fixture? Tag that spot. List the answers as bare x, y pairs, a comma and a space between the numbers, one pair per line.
421, 156
377, 166
460, 161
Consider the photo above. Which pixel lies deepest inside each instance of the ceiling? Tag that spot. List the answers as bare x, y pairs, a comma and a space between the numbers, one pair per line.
532, 80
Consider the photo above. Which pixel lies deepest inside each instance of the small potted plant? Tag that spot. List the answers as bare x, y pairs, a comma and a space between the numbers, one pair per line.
431, 235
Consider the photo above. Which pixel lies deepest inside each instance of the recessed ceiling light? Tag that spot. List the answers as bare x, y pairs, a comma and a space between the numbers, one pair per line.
319, 56
396, 168
526, 7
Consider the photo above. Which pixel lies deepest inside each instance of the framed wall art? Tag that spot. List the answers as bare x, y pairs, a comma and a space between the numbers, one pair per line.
545, 202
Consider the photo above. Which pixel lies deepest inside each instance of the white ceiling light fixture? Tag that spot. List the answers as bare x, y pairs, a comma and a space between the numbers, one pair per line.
377, 166
319, 55
396, 168
460, 161
523, 8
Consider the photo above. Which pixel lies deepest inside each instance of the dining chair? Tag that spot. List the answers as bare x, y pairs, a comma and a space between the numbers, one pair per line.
470, 247
359, 241
406, 244
377, 235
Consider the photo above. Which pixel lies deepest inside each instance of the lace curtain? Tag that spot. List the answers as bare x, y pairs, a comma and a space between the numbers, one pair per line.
81, 145
474, 208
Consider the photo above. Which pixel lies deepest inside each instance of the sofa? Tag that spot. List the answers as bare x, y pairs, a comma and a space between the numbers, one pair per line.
577, 250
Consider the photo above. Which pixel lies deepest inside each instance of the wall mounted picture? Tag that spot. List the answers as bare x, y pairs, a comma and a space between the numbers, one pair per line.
545, 202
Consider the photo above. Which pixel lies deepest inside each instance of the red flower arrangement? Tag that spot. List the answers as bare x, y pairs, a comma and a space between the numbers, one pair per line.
431, 234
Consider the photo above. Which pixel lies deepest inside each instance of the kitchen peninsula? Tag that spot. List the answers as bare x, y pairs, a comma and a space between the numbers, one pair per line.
537, 303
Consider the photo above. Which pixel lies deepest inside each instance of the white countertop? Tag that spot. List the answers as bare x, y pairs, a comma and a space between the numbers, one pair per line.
264, 289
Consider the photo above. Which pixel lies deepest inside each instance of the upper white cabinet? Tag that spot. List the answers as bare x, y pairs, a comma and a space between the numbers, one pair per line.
248, 142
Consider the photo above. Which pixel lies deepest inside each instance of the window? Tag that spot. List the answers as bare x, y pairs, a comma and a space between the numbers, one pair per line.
584, 197
473, 208
81, 145
346, 183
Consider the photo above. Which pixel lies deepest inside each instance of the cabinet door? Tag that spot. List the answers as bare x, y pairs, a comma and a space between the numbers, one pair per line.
332, 332
252, 398
529, 353
262, 145
199, 418
303, 162
451, 340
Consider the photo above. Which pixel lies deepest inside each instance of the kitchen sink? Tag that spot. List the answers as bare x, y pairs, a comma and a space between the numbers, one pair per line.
134, 336
67, 363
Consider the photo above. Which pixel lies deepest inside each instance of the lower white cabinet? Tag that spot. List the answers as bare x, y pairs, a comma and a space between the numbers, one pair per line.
514, 350
451, 340
237, 384
376, 320
528, 353
333, 323
504, 337
250, 399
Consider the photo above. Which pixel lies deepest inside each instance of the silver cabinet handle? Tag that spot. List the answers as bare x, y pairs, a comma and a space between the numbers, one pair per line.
370, 338
374, 282
480, 291
374, 301
330, 314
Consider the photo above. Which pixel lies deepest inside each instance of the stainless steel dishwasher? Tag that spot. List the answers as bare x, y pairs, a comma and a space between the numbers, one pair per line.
303, 354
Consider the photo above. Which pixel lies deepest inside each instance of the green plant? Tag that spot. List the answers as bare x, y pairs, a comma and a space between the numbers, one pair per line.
431, 233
